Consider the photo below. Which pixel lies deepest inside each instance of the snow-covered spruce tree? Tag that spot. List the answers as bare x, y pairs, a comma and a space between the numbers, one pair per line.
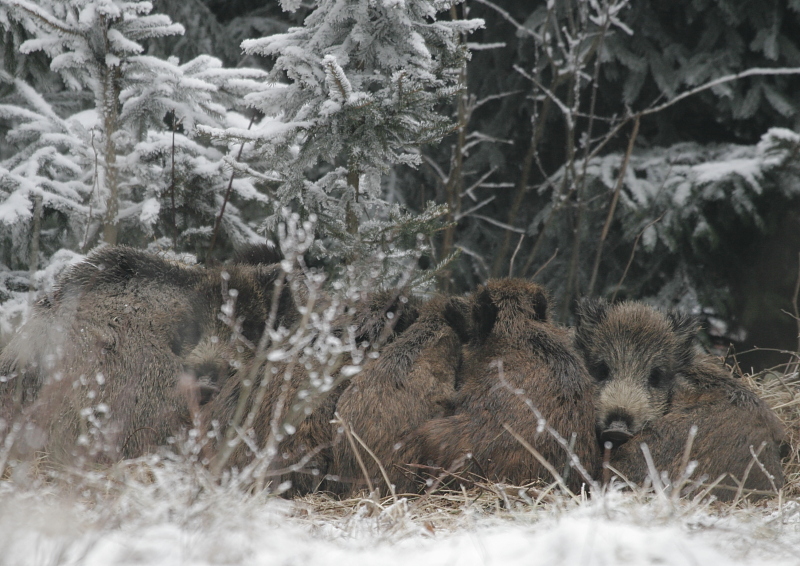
127, 169
365, 79
137, 162
88, 43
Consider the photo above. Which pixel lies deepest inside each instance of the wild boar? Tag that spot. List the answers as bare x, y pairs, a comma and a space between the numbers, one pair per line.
654, 384
515, 361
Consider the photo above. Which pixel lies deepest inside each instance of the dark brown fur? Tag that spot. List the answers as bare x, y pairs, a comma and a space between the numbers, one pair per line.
632, 341
539, 363
304, 450
304, 445
112, 345
411, 382
729, 418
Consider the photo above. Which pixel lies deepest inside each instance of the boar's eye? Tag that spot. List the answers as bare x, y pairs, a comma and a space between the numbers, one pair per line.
600, 371
657, 377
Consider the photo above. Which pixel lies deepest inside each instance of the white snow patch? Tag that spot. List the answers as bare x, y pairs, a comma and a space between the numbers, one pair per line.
747, 169
172, 522
150, 209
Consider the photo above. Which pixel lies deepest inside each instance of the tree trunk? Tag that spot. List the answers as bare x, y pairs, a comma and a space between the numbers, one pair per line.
110, 109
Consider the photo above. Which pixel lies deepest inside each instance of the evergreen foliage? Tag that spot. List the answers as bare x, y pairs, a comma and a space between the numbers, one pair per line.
678, 209
538, 144
133, 160
365, 82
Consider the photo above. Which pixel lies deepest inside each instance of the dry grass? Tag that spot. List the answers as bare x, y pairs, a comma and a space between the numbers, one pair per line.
445, 508
780, 388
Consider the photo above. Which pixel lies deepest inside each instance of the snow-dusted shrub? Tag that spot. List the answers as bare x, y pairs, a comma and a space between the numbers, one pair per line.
675, 211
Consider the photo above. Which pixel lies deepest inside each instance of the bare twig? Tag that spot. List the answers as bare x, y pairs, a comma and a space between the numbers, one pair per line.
545, 264
349, 434
514, 256
797, 316
607, 462
687, 466
542, 460
209, 257
375, 458
630, 259
763, 468
655, 475
172, 187
230, 442
612, 208
749, 467
33, 260
478, 206
510, 19
520, 393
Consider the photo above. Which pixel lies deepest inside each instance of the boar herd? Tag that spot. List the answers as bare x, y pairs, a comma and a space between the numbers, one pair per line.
132, 350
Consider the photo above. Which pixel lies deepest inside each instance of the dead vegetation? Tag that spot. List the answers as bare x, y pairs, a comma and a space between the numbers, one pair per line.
780, 388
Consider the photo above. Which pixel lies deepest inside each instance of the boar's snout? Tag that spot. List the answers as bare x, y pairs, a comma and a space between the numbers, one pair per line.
617, 429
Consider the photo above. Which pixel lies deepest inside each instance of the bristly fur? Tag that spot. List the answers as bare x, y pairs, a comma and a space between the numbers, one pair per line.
512, 339
120, 333
651, 374
411, 382
258, 254
626, 343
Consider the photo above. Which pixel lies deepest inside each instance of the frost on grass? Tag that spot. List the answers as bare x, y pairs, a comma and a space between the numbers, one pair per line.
166, 511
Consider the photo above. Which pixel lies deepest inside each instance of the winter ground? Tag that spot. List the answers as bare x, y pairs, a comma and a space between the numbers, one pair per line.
178, 518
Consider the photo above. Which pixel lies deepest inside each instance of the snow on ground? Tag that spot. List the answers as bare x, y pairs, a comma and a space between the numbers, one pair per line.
180, 521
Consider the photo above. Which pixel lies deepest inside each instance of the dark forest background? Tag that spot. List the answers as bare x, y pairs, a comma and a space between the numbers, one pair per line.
562, 167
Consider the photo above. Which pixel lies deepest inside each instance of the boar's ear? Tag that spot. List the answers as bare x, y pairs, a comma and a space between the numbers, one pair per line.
685, 328
266, 253
456, 314
266, 278
370, 316
590, 312
684, 325
484, 313
407, 310
539, 301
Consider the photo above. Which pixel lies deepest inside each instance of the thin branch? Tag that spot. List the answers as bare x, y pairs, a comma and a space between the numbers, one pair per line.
510, 19
749, 467
613, 207
633, 252
500, 224
545, 264
172, 188
354, 448
478, 183
47, 19
474, 208
758, 71
375, 458
520, 393
484, 100
561, 106
797, 315
542, 460
514, 255
225, 200
435, 166
33, 260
